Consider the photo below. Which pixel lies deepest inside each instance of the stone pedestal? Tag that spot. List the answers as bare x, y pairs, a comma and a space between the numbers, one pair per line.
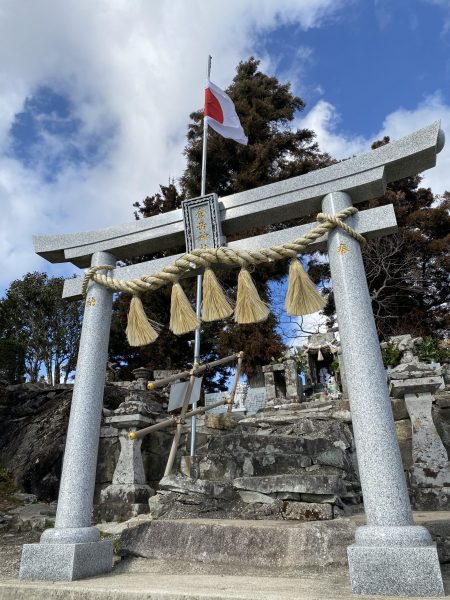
240, 397
390, 555
430, 471
269, 384
128, 494
291, 389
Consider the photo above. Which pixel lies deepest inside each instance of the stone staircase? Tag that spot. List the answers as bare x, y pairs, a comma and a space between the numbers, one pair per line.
293, 464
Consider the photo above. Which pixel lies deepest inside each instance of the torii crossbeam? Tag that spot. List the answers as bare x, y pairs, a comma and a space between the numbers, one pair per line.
391, 555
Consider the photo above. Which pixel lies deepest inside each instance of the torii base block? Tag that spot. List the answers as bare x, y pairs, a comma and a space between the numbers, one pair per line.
395, 571
66, 562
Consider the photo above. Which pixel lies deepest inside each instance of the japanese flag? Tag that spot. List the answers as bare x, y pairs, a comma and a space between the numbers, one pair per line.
220, 114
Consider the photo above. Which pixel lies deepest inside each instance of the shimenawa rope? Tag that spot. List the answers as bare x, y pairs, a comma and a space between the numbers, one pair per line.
302, 297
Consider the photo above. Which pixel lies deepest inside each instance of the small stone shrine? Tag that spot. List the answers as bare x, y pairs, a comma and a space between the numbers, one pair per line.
323, 353
282, 382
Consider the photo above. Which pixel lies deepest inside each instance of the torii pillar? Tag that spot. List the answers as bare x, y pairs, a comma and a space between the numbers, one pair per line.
391, 555
73, 549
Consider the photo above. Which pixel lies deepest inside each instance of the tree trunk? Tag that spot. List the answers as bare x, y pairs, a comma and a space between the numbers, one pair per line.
48, 369
57, 374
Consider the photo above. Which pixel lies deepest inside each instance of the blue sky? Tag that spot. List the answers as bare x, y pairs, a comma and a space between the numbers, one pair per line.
372, 59
95, 96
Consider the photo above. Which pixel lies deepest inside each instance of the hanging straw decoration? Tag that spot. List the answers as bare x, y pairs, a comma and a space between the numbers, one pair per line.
319, 355
302, 298
182, 316
140, 330
215, 305
249, 306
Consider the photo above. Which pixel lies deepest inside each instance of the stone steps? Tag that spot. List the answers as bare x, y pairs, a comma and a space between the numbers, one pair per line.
218, 466
297, 483
214, 466
307, 442
262, 560
279, 546
296, 496
184, 582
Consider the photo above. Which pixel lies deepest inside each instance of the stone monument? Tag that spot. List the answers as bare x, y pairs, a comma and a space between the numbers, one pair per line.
128, 494
430, 472
391, 555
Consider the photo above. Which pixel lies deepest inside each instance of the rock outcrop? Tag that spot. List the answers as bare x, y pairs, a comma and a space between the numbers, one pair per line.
33, 426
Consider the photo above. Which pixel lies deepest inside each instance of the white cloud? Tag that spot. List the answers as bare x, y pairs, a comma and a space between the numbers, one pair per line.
324, 119
133, 72
402, 121
444, 4
307, 325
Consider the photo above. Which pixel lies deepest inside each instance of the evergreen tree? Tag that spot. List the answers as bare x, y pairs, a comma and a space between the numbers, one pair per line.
266, 109
35, 317
274, 152
408, 272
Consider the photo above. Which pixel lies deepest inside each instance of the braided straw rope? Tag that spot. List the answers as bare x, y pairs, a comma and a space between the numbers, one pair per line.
205, 257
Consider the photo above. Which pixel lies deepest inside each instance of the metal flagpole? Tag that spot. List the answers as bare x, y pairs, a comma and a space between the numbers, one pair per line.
200, 277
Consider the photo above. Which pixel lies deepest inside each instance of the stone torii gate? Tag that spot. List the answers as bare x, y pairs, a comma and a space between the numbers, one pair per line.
391, 555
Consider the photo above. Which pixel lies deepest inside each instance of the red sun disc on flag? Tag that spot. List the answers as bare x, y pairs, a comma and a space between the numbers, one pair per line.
212, 107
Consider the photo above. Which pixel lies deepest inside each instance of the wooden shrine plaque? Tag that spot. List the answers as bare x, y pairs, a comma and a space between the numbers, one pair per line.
202, 222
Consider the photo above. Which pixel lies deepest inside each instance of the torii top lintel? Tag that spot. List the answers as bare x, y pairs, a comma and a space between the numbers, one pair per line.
363, 177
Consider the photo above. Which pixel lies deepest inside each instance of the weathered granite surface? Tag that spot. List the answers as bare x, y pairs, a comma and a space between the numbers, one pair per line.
270, 544
301, 484
308, 511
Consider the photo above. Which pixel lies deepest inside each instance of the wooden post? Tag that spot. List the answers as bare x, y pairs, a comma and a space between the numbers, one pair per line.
180, 422
235, 382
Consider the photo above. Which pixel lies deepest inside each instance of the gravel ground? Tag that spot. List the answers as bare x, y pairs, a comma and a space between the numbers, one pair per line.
11, 551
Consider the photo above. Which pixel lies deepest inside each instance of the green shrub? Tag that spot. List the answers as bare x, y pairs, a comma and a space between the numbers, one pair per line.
391, 355
429, 351
335, 366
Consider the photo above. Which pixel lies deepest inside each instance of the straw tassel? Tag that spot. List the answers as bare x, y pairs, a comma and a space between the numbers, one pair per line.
182, 316
215, 305
140, 330
319, 355
249, 306
302, 298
